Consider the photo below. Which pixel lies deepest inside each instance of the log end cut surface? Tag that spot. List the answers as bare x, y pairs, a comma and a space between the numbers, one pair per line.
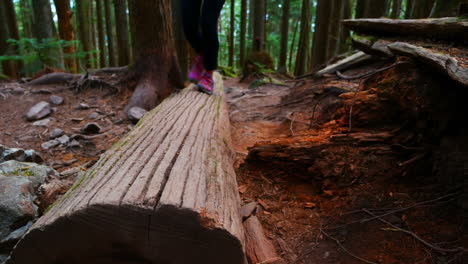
165, 193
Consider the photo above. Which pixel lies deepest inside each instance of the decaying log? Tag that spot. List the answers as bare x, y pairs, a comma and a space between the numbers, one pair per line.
449, 28
345, 63
54, 78
165, 193
378, 48
259, 249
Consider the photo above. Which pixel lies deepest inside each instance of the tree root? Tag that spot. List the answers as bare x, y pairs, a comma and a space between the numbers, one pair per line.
369, 74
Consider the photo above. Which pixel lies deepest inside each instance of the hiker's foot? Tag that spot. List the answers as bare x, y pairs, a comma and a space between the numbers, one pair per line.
206, 84
196, 73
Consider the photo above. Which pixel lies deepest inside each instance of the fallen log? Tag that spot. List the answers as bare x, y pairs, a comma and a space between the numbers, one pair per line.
449, 28
165, 193
344, 64
258, 248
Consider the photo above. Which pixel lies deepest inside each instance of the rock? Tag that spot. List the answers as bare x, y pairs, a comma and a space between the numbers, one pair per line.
94, 115
50, 144
83, 106
13, 154
74, 144
63, 139
136, 113
32, 156
248, 209
17, 206
57, 132
43, 122
36, 173
3, 259
56, 100
18, 91
7, 244
91, 128
39, 111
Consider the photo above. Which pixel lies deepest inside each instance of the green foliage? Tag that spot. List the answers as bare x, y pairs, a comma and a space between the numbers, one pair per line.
227, 71
35, 54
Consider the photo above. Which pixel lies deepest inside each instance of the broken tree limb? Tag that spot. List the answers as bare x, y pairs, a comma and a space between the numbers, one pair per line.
449, 28
165, 193
54, 78
259, 249
344, 64
378, 48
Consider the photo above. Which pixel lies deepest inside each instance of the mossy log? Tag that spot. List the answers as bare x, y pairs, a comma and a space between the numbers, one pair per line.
165, 193
449, 28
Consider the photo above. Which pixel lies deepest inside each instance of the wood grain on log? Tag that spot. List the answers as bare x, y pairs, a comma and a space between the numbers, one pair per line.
165, 193
450, 28
258, 248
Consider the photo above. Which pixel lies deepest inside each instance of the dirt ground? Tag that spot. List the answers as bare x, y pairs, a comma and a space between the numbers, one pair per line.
329, 191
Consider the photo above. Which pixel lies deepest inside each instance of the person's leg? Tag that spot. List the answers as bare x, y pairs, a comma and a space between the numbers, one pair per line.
190, 11
209, 31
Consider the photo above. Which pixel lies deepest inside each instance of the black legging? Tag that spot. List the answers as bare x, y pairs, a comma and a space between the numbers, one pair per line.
200, 21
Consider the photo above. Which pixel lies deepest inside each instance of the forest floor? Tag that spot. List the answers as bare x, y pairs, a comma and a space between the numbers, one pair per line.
328, 191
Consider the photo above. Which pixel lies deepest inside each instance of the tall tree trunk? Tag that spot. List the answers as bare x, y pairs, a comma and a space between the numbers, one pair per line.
396, 9
101, 33
66, 31
344, 32
320, 43
8, 67
376, 8
27, 19
231, 33
258, 37
156, 68
92, 34
334, 28
446, 8
84, 29
243, 29
131, 18
409, 8
421, 8
284, 37
361, 8
12, 25
181, 43
44, 29
122, 31
109, 33
303, 48
293, 45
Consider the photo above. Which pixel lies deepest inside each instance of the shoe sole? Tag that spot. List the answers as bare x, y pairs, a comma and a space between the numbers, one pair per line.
203, 90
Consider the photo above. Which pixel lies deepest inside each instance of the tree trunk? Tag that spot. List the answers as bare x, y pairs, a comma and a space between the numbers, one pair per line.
303, 48
446, 8
109, 33
231, 33
84, 29
12, 68
259, 26
7, 66
44, 29
251, 23
157, 69
243, 32
131, 18
27, 19
334, 33
101, 34
361, 8
66, 31
344, 32
166, 193
284, 37
293, 45
320, 43
120, 8
396, 9
376, 8
421, 8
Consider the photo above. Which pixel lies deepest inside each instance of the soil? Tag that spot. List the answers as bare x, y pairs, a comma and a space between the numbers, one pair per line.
330, 162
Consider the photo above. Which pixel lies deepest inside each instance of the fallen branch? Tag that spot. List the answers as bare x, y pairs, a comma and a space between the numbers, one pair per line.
369, 74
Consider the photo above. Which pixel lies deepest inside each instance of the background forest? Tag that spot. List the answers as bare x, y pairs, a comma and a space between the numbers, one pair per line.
296, 36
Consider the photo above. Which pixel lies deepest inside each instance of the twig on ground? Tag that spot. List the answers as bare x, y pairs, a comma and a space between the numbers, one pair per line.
292, 123
346, 250
368, 74
424, 242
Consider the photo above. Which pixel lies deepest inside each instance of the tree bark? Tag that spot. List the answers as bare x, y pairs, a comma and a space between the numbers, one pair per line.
157, 69
131, 18
320, 43
259, 26
66, 31
43, 30
344, 32
421, 8
84, 29
243, 32
396, 9
150, 199
27, 18
361, 8
12, 68
101, 34
109, 33
293, 45
303, 48
231, 33
7, 66
120, 9
284, 37
251, 23
446, 8
376, 8
334, 33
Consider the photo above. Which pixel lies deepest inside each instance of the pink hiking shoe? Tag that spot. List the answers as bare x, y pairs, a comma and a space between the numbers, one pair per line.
206, 84
196, 73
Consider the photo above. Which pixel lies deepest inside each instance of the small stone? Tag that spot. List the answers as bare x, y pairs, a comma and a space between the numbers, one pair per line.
91, 128
248, 209
74, 144
32, 156
56, 100
43, 122
94, 115
83, 106
18, 91
135, 114
63, 139
77, 119
14, 154
56, 133
39, 111
50, 144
